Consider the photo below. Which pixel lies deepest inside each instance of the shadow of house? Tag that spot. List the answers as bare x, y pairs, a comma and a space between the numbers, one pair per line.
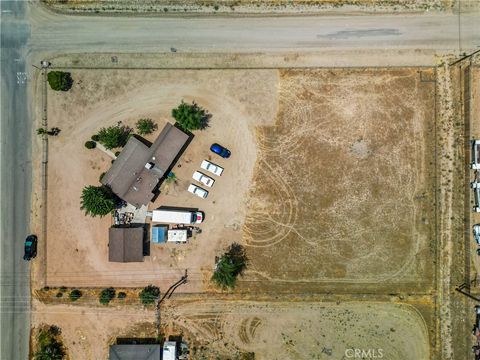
141, 167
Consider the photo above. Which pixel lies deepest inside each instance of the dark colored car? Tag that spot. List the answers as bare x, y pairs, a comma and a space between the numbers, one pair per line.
30, 247
220, 150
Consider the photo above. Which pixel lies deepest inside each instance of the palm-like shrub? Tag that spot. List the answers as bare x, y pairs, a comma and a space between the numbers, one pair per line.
149, 294
229, 266
146, 126
191, 116
97, 200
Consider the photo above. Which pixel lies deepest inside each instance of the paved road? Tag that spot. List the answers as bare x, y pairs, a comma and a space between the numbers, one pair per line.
407, 31
15, 183
53, 34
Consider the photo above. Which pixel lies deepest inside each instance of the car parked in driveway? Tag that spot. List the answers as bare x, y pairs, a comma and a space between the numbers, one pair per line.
197, 190
211, 167
202, 178
220, 150
30, 250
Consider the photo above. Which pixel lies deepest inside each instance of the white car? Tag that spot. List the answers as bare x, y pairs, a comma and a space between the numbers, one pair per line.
197, 190
214, 169
204, 179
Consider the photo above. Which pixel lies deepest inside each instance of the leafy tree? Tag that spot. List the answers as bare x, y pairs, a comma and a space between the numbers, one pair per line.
59, 80
146, 126
106, 296
90, 144
149, 294
229, 266
191, 116
114, 136
97, 200
75, 294
50, 347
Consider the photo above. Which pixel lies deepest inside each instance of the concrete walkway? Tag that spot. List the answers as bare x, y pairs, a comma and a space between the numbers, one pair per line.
106, 151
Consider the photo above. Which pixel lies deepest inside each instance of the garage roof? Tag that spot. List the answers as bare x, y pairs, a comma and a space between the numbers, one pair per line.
125, 244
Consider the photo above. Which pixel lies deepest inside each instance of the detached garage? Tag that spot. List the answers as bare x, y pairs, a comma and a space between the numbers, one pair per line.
125, 244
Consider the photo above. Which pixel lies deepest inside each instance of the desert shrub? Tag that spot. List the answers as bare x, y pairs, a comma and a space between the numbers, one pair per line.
117, 153
97, 200
121, 295
90, 144
191, 116
95, 137
101, 176
75, 294
146, 126
149, 294
59, 294
49, 346
63, 289
59, 80
106, 295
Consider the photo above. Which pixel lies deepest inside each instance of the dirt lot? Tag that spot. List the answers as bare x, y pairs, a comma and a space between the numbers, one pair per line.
77, 245
306, 330
345, 178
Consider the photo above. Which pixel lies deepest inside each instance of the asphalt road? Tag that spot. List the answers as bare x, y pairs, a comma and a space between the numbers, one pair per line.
15, 183
28, 32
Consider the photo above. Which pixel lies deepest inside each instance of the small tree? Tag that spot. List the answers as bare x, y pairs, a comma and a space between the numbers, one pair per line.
59, 80
191, 116
106, 296
97, 200
230, 265
114, 136
146, 126
75, 294
149, 294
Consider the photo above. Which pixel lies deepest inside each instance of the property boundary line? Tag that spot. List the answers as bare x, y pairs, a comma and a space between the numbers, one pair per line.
44, 173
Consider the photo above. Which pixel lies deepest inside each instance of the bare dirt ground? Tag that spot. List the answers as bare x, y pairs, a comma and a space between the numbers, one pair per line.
290, 330
238, 100
340, 161
345, 178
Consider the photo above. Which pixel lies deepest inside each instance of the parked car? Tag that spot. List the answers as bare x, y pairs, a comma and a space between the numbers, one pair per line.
204, 179
30, 247
197, 190
220, 150
211, 167
476, 233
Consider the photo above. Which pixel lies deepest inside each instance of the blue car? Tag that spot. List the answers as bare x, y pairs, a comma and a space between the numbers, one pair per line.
220, 150
30, 247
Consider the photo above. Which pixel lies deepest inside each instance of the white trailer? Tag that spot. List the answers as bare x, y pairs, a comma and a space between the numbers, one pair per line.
169, 350
475, 155
176, 216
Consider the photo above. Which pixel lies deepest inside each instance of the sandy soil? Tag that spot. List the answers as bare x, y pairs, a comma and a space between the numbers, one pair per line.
345, 178
77, 245
301, 330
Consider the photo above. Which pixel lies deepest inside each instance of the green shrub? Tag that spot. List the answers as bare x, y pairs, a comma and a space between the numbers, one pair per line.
90, 144
117, 153
95, 137
59, 294
149, 294
106, 296
191, 116
49, 347
63, 289
121, 295
114, 136
146, 126
97, 200
75, 294
59, 80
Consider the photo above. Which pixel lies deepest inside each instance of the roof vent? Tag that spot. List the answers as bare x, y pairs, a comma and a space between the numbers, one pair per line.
149, 165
